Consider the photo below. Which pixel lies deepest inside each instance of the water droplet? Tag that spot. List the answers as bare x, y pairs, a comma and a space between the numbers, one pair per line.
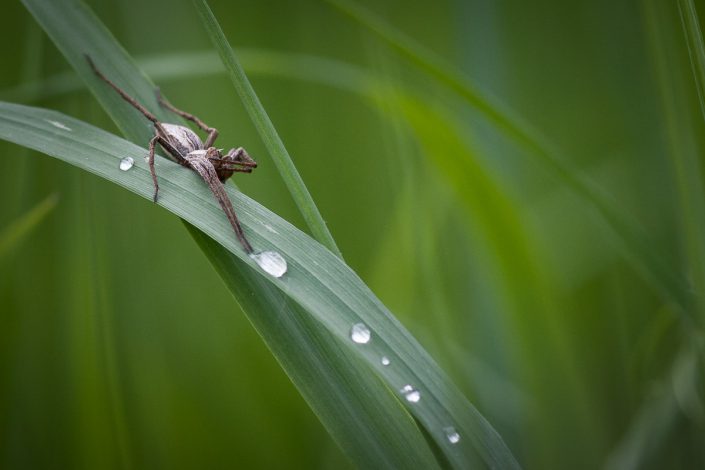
452, 434
126, 163
360, 334
271, 262
60, 125
385, 361
411, 394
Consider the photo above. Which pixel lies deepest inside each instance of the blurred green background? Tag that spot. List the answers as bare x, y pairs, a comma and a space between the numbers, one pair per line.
121, 348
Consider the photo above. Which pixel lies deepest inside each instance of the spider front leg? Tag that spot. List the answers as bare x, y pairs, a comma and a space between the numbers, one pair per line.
236, 160
212, 131
241, 156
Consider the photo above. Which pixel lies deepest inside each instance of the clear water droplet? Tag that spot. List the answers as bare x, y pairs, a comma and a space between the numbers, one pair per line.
360, 334
411, 394
126, 163
271, 262
385, 361
452, 434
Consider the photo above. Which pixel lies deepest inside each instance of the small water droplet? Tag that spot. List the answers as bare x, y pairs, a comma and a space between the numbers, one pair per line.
271, 262
360, 334
385, 361
126, 163
411, 394
452, 434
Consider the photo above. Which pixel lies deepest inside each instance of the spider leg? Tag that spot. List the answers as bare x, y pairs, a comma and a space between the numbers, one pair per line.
234, 169
212, 131
125, 96
227, 161
205, 169
240, 155
152, 143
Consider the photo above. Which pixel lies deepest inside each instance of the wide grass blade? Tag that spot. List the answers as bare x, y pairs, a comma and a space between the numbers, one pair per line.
328, 292
318, 281
266, 129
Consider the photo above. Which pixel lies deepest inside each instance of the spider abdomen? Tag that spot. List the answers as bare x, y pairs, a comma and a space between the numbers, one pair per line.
183, 138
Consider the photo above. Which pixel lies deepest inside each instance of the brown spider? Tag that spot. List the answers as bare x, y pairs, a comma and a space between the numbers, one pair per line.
187, 149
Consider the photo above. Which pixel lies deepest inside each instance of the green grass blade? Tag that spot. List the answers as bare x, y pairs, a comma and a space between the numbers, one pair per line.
696, 47
13, 234
317, 279
631, 239
266, 130
683, 147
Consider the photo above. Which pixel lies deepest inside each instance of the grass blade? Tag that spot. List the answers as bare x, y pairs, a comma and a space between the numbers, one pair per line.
683, 146
318, 281
696, 47
266, 130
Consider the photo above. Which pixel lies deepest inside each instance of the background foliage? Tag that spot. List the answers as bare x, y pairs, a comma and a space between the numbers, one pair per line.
119, 345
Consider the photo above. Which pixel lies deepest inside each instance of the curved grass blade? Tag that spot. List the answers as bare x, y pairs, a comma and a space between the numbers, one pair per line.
186, 65
266, 130
13, 234
317, 280
631, 239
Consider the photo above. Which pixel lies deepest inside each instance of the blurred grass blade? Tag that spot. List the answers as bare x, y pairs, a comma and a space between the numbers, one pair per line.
266, 130
196, 64
696, 47
680, 130
327, 290
676, 397
13, 234
633, 242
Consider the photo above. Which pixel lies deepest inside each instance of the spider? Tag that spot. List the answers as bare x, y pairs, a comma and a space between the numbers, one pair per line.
187, 149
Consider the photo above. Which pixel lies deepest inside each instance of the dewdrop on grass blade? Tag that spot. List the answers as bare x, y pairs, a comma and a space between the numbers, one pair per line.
411, 394
452, 435
271, 262
126, 163
360, 334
